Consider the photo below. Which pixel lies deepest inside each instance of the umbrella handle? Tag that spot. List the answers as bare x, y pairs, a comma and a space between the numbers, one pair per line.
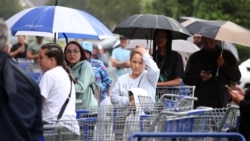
217, 71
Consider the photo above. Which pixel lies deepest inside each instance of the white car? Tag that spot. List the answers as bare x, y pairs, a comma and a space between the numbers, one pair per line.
245, 74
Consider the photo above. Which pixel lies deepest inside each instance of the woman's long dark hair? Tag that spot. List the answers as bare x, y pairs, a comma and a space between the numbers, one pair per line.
169, 42
55, 51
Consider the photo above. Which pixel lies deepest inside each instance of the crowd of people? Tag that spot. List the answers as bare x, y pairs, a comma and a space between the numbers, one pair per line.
68, 75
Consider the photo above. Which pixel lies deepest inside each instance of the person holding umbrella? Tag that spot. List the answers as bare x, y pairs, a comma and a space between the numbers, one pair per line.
197, 40
210, 69
169, 62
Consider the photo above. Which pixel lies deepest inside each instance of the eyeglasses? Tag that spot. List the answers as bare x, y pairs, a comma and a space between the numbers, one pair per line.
72, 51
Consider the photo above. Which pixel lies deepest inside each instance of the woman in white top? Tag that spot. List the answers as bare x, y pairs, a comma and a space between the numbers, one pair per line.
56, 86
145, 74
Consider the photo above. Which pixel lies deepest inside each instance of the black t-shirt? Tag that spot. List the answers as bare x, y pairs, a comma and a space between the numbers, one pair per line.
19, 55
171, 66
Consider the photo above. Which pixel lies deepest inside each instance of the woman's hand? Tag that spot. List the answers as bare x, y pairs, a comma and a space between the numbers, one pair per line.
220, 61
141, 49
237, 95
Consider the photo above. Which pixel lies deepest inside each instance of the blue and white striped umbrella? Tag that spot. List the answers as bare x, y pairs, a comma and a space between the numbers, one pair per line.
61, 21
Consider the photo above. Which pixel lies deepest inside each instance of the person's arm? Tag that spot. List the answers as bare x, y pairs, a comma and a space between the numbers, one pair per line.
86, 77
118, 94
152, 68
229, 66
174, 82
105, 78
192, 72
16, 50
153, 71
117, 64
178, 72
29, 55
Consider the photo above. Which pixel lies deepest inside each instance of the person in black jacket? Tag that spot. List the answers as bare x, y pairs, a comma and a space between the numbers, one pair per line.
210, 69
242, 98
20, 99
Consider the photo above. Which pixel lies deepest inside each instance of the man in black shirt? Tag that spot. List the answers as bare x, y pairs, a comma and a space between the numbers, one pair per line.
19, 49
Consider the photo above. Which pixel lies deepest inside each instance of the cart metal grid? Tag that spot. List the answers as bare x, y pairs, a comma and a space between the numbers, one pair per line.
187, 136
113, 124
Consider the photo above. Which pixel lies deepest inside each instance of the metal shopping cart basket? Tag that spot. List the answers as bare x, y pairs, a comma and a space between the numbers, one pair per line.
180, 98
203, 120
178, 90
63, 130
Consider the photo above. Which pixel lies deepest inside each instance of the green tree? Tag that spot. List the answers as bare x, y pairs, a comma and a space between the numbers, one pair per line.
110, 12
235, 11
9, 8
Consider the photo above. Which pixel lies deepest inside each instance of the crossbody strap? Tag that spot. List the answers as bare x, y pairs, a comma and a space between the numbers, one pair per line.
65, 103
140, 81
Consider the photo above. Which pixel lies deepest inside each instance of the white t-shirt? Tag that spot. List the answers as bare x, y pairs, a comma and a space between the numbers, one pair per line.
55, 87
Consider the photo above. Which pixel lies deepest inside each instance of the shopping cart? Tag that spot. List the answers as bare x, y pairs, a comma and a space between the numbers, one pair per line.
201, 120
117, 123
36, 76
154, 136
231, 119
179, 97
63, 130
178, 90
175, 102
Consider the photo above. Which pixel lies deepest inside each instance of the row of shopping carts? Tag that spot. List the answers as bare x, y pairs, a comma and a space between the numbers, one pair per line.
172, 114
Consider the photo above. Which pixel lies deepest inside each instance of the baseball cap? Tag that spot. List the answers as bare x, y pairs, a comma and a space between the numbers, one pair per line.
86, 45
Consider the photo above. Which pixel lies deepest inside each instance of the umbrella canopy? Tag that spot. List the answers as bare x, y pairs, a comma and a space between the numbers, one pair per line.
61, 21
142, 26
225, 45
177, 45
219, 30
231, 47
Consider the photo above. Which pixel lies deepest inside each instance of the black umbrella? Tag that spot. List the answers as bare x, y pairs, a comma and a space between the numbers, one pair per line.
142, 26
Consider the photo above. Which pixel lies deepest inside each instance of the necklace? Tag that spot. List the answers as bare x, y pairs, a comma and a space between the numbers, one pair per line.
162, 61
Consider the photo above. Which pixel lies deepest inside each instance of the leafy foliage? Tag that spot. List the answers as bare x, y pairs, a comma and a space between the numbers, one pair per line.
9, 8
110, 12
235, 11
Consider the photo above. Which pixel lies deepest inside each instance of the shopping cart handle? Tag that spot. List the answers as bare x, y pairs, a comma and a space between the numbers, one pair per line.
185, 134
81, 111
199, 110
177, 96
232, 106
